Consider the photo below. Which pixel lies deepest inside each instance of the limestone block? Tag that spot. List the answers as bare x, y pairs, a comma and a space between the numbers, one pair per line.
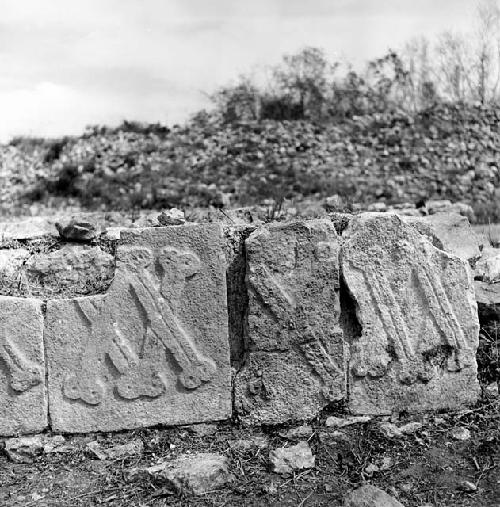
153, 349
295, 362
23, 402
414, 344
450, 232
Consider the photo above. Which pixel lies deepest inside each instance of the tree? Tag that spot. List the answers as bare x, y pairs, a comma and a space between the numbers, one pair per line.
422, 90
238, 102
487, 50
304, 79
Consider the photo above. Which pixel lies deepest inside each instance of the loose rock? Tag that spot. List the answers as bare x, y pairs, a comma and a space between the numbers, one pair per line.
133, 448
172, 216
460, 433
77, 230
193, 473
25, 449
370, 496
297, 457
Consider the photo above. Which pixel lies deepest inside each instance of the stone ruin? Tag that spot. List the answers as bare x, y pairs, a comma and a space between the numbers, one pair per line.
268, 323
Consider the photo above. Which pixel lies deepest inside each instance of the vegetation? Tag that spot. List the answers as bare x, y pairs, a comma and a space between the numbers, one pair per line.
421, 123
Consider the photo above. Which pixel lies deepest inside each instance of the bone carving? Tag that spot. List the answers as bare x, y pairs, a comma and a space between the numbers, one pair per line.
159, 299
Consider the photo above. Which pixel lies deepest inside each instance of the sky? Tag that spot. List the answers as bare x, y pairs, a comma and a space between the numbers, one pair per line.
65, 64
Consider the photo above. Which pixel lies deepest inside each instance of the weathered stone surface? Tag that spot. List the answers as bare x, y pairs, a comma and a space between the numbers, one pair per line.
28, 228
487, 268
418, 330
295, 363
72, 270
154, 348
11, 270
370, 496
172, 216
26, 449
450, 232
78, 229
23, 402
285, 460
193, 473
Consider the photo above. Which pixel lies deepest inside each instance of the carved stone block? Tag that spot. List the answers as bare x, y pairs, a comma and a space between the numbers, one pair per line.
295, 361
153, 349
23, 402
413, 348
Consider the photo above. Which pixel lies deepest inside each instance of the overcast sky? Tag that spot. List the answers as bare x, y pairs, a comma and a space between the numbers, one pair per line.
69, 63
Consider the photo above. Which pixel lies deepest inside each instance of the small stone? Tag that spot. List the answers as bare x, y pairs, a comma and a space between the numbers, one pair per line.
339, 422
488, 266
77, 230
460, 433
370, 496
492, 390
304, 431
25, 449
193, 473
271, 488
133, 448
172, 216
467, 486
390, 430
386, 464
371, 469
297, 457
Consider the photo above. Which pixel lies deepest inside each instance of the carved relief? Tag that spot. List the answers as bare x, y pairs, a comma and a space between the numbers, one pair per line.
156, 284
23, 373
280, 300
293, 332
23, 400
404, 345
415, 349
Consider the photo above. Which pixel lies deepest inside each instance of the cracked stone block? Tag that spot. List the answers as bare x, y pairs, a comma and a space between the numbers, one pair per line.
413, 348
73, 270
154, 348
237, 296
23, 402
295, 363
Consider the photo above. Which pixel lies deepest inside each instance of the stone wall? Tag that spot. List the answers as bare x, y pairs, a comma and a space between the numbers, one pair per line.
268, 323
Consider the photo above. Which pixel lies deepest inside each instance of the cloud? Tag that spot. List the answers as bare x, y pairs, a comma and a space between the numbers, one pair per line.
69, 63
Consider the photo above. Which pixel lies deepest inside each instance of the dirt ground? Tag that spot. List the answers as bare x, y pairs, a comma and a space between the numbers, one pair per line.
428, 467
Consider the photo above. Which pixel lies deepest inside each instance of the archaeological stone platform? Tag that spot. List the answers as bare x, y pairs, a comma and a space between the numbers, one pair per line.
267, 323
